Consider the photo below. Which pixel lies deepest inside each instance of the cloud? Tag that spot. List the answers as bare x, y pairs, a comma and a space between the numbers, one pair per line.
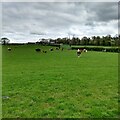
57, 19
60, 0
36, 32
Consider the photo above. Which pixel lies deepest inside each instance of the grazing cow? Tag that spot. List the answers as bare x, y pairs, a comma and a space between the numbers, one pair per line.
79, 51
51, 49
38, 49
44, 51
84, 50
57, 48
104, 50
9, 49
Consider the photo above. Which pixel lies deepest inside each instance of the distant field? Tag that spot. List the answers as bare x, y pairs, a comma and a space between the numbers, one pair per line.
58, 84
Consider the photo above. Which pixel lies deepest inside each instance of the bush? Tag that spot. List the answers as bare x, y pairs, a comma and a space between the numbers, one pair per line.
89, 48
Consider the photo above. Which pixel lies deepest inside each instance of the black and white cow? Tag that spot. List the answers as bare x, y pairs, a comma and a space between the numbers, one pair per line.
9, 49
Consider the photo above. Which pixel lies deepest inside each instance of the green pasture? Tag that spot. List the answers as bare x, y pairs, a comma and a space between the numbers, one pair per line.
58, 84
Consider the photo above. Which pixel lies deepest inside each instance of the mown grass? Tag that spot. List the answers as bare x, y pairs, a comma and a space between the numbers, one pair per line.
58, 84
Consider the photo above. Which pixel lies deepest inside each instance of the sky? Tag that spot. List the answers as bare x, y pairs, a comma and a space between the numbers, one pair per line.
31, 21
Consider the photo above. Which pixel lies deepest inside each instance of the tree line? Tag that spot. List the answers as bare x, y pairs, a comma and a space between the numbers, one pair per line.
94, 40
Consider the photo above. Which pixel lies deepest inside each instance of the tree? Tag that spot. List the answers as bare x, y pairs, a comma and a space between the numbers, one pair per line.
4, 41
73, 41
93, 40
103, 43
108, 40
116, 39
98, 40
85, 40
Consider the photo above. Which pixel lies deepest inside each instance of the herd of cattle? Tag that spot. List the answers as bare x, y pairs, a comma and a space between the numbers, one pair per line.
44, 51
79, 51
39, 50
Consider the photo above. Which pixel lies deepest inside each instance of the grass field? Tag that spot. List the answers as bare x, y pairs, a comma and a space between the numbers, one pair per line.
58, 84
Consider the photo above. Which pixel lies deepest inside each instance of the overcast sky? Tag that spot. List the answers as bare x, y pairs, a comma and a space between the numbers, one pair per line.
30, 21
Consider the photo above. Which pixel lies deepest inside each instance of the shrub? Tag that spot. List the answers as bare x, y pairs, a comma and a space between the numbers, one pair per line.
89, 48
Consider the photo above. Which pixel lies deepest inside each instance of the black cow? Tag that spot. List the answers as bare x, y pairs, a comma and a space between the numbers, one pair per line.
38, 49
44, 51
57, 48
